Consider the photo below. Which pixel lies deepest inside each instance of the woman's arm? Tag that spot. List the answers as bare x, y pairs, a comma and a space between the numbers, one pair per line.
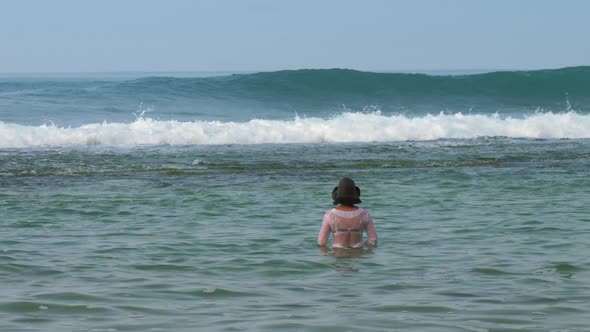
371, 232
324, 231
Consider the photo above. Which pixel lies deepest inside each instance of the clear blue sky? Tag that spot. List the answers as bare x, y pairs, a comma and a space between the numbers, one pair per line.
252, 35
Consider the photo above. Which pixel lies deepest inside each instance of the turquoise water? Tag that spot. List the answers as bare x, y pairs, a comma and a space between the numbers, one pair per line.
164, 220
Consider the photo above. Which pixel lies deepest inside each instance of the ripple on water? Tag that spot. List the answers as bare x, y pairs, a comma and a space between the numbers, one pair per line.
147, 310
398, 286
33, 320
7, 258
71, 297
491, 271
563, 269
457, 294
26, 269
412, 308
52, 308
280, 267
217, 292
163, 267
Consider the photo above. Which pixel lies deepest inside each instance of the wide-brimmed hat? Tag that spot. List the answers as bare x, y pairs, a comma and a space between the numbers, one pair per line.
346, 193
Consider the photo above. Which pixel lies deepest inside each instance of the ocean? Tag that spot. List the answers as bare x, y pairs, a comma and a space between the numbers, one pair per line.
192, 202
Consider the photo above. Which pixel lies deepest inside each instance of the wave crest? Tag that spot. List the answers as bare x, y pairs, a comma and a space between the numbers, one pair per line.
346, 127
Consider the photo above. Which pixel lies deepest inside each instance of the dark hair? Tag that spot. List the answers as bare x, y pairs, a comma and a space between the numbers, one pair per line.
347, 193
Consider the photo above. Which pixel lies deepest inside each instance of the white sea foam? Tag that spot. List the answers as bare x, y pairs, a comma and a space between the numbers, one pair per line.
347, 127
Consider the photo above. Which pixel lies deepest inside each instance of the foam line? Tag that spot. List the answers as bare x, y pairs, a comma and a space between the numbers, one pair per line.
346, 127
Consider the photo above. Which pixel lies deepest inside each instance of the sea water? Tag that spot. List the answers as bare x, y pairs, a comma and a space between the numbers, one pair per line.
179, 203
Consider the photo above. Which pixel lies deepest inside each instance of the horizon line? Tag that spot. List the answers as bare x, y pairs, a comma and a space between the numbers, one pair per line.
245, 71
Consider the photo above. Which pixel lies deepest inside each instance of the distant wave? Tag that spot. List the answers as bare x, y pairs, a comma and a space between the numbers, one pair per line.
346, 127
325, 83
345, 85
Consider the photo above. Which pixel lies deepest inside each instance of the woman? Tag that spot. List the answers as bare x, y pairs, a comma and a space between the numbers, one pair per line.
347, 222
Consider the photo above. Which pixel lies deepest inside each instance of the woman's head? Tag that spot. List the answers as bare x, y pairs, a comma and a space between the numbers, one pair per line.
347, 193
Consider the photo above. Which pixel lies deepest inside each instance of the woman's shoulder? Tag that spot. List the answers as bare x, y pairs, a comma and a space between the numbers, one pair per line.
361, 210
348, 213
365, 211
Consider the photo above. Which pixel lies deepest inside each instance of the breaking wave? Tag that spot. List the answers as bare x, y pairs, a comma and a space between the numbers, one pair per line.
346, 127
